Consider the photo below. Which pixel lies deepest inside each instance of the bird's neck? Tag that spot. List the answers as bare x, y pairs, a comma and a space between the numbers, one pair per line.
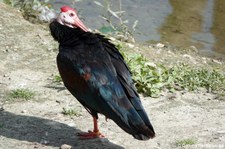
65, 35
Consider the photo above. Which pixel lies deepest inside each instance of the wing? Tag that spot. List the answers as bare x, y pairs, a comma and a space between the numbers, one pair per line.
96, 74
124, 77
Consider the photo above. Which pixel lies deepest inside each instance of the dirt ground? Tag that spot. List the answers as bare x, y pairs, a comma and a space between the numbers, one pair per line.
27, 54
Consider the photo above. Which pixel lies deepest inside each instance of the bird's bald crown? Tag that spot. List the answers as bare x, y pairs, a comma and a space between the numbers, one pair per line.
66, 8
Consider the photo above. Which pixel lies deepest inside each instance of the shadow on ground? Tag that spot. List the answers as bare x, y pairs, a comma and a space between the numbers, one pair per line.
46, 132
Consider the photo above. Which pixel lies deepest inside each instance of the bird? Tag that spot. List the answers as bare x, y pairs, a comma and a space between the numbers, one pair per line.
96, 74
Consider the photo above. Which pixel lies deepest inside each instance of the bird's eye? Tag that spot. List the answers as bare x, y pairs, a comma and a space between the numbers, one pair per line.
71, 14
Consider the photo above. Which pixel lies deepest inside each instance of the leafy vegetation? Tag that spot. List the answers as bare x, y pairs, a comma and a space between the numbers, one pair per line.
116, 21
8, 2
21, 94
150, 78
185, 142
70, 112
193, 78
57, 79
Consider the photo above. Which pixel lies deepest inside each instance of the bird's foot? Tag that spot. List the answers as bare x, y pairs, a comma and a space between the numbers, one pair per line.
90, 135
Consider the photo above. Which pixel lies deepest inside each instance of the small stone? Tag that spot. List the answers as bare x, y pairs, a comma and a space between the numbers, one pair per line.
5, 75
130, 45
24, 111
187, 56
160, 45
5, 50
193, 49
71, 124
171, 96
65, 146
216, 61
58, 101
112, 38
36, 145
1, 108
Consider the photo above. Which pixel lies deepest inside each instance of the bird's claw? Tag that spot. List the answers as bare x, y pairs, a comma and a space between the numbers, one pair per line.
90, 135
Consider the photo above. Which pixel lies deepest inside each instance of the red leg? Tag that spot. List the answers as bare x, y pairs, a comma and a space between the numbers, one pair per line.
95, 121
92, 134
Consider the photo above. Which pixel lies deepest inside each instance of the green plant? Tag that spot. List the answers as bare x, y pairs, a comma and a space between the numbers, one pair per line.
22, 94
120, 25
57, 79
8, 2
192, 78
70, 112
151, 78
184, 142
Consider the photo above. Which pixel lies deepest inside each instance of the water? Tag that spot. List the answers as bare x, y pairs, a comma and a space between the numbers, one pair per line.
180, 22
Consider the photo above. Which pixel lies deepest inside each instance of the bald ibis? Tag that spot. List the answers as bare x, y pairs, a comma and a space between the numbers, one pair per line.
94, 72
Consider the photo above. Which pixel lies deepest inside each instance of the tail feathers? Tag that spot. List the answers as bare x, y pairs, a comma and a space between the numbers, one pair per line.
140, 126
142, 131
145, 133
132, 120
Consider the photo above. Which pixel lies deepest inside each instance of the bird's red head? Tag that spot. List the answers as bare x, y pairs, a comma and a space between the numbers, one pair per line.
66, 8
68, 17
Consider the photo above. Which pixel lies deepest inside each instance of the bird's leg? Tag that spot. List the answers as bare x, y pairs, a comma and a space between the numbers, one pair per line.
92, 134
95, 121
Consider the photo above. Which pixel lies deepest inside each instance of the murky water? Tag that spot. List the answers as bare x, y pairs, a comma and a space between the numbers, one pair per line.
180, 22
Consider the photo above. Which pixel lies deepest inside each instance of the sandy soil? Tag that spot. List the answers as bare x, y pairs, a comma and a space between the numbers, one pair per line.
28, 61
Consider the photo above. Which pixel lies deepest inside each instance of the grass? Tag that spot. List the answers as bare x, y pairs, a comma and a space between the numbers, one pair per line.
184, 142
70, 112
21, 94
151, 78
193, 78
57, 79
8, 2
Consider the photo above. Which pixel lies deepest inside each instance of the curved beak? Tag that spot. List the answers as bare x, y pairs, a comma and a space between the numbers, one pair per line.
80, 24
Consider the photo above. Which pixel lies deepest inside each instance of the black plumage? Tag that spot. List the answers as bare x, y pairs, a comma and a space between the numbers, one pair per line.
94, 71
